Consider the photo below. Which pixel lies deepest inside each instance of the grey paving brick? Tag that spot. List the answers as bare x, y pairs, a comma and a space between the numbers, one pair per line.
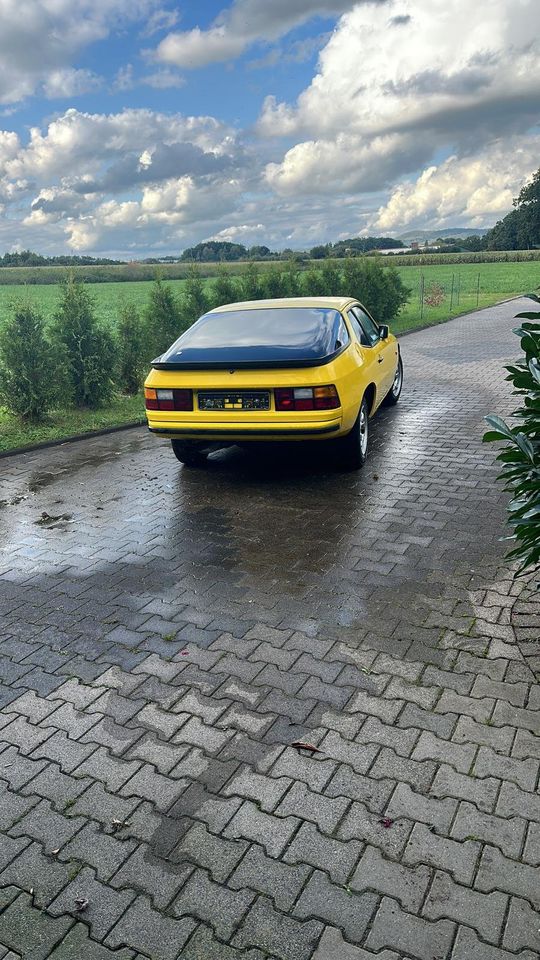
151, 932
273, 878
51, 829
77, 944
195, 703
497, 872
359, 756
315, 771
32, 870
416, 718
460, 682
468, 945
59, 787
401, 741
325, 812
74, 722
243, 719
149, 785
98, 804
323, 900
522, 772
346, 783
505, 713
164, 756
277, 934
406, 802
105, 905
210, 739
24, 735
272, 832
515, 693
419, 773
513, 802
451, 702
32, 707
361, 824
111, 735
99, 850
152, 875
346, 724
22, 924
423, 696
393, 928
504, 832
469, 731
526, 745
522, 927
213, 903
113, 771
203, 945
407, 884
215, 854
266, 791
162, 721
309, 846
429, 747
81, 695
468, 663
332, 946
459, 859
484, 912
481, 791
531, 853
67, 753
13, 806
385, 710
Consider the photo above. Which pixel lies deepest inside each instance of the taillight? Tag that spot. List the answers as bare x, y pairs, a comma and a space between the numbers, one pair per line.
168, 399
306, 398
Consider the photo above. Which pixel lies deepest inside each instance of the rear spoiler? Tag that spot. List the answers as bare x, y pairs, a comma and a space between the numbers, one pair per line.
159, 364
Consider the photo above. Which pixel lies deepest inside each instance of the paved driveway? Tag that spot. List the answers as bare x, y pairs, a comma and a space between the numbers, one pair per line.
169, 637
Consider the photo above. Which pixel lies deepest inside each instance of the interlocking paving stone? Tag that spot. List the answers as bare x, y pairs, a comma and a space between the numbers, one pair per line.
390, 635
23, 926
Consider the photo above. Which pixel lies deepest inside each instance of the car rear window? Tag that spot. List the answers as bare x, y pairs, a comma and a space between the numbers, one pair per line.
273, 335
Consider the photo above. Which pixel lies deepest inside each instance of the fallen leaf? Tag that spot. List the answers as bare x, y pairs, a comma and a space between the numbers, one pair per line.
81, 904
299, 745
55, 852
119, 824
386, 822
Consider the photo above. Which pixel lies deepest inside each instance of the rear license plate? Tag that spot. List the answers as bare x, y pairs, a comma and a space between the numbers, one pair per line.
242, 400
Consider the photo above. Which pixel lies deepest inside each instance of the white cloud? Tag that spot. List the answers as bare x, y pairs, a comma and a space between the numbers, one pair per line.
70, 83
41, 37
421, 74
163, 80
242, 233
241, 25
472, 190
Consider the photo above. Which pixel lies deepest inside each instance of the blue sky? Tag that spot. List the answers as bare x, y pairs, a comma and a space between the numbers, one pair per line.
138, 127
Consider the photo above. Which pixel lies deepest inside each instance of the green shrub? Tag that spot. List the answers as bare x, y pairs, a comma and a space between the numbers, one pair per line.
272, 284
132, 360
194, 299
292, 281
380, 289
521, 455
251, 287
163, 321
29, 381
86, 348
313, 284
224, 288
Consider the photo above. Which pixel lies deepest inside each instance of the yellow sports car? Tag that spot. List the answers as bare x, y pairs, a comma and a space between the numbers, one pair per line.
312, 368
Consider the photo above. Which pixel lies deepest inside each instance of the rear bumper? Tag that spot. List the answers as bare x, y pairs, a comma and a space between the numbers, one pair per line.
253, 431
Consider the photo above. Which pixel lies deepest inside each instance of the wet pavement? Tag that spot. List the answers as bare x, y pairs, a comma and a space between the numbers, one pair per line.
169, 633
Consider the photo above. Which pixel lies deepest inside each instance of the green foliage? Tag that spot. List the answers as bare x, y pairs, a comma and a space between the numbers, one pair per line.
292, 282
194, 299
224, 288
313, 283
273, 285
520, 229
251, 287
521, 454
132, 359
214, 251
29, 384
379, 288
86, 348
162, 318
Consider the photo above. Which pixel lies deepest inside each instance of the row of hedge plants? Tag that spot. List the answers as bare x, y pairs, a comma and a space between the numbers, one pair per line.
77, 360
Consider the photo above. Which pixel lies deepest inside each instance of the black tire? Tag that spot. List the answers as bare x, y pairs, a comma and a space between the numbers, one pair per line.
189, 453
353, 448
394, 393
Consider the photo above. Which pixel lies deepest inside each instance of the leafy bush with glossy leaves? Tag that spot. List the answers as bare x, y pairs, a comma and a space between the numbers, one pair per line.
521, 454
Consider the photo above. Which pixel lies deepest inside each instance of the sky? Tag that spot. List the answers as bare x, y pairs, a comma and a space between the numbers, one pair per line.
135, 128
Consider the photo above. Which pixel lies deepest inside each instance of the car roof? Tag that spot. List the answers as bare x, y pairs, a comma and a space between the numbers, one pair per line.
329, 303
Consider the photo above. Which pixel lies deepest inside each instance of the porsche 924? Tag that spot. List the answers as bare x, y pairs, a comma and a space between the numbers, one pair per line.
312, 368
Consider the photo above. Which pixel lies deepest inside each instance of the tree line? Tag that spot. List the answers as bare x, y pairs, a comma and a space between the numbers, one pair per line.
77, 360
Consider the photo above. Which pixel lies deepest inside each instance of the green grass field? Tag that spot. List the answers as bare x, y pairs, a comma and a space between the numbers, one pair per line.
458, 287
498, 281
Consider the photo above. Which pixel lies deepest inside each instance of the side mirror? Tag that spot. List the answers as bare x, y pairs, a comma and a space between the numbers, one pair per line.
384, 331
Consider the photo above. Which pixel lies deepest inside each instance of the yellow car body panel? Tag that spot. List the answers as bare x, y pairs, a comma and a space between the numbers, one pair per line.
354, 371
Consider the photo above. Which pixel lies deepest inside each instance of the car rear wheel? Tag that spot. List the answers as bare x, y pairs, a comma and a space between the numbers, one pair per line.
394, 393
188, 453
353, 448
